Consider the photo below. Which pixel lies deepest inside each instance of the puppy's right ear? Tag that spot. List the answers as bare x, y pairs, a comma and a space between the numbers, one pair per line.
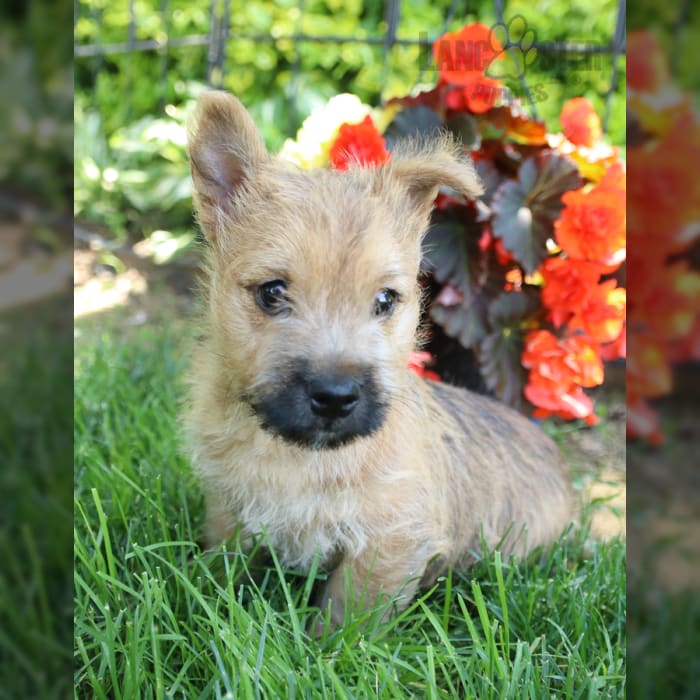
226, 150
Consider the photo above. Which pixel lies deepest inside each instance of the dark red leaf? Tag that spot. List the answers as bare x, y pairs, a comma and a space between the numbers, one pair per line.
430, 98
490, 177
452, 255
525, 130
451, 251
499, 352
465, 129
524, 210
466, 321
414, 121
510, 309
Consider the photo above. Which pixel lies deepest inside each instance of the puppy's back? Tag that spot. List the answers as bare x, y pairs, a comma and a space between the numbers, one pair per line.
506, 472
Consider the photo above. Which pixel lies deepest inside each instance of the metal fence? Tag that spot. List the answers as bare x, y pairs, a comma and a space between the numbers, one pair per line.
220, 36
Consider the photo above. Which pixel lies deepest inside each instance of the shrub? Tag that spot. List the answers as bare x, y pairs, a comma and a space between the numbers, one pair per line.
526, 276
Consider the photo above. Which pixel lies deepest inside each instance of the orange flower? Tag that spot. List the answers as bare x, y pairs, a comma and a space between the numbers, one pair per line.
567, 286
603, 314
663, 201
558, 370
592, 223
360, 144
580, 122
648, 370
477, 95
647, 69
462, 57
614, 178
616, 349
571, 359
668, 303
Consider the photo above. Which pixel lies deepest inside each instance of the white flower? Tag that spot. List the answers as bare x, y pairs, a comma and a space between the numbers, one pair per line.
320, 128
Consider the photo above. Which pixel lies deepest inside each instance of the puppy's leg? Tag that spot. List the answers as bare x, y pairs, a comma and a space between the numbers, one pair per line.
393, 571
220, 524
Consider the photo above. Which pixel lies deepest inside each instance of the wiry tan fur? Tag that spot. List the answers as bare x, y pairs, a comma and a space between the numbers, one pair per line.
446, 465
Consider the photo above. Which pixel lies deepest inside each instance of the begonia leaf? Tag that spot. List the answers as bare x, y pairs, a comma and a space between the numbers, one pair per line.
452, 254
525, 209
500, 350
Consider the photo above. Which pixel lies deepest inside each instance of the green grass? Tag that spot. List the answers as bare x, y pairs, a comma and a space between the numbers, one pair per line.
157, 618
663, 630
35, 501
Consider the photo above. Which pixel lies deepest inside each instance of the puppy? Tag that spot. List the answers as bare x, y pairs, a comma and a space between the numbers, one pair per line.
304, 420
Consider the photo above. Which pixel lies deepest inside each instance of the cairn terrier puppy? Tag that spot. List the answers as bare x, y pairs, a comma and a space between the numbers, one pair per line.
304, 419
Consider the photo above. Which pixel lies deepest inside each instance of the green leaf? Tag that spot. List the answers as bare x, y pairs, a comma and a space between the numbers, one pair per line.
524, 210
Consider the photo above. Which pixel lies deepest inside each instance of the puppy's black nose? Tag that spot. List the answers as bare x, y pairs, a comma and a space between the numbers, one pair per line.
333, 396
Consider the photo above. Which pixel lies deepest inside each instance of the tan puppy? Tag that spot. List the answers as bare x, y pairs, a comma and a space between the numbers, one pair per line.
305, 420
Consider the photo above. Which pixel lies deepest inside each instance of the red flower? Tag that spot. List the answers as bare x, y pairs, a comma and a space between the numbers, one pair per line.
664, 227
567, 286
550, 399
603, 313
580, 122
558, 370
592, 223
663, 198
417, 362
462, 57
360, 144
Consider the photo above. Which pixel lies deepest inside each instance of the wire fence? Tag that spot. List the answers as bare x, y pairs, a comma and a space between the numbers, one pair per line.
220, 37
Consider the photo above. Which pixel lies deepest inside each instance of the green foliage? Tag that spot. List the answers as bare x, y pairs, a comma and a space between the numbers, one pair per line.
36, 590
555, 78
679, 39
156, 617
663, 628
137, 180
279, 80
35, 97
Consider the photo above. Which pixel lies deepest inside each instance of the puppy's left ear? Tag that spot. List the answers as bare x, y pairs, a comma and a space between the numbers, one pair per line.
226, 152
421, 168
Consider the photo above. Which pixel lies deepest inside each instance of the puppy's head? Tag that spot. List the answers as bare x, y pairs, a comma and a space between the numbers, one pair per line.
313, 293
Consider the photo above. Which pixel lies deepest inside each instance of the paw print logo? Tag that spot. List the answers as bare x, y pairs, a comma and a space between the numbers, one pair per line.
515, 45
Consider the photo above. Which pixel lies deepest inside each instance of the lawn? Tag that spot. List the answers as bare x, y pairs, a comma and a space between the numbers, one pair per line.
155, 617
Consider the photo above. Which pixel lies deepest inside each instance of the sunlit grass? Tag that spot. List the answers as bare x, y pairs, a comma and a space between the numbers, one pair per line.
155, 617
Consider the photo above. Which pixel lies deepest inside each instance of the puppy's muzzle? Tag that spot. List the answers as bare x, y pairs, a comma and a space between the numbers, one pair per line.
320, 408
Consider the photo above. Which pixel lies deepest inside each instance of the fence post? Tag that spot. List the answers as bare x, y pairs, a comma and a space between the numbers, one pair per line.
618, 47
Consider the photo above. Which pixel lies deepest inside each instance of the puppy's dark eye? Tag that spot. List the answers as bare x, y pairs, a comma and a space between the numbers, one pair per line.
385, 302
272, 296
